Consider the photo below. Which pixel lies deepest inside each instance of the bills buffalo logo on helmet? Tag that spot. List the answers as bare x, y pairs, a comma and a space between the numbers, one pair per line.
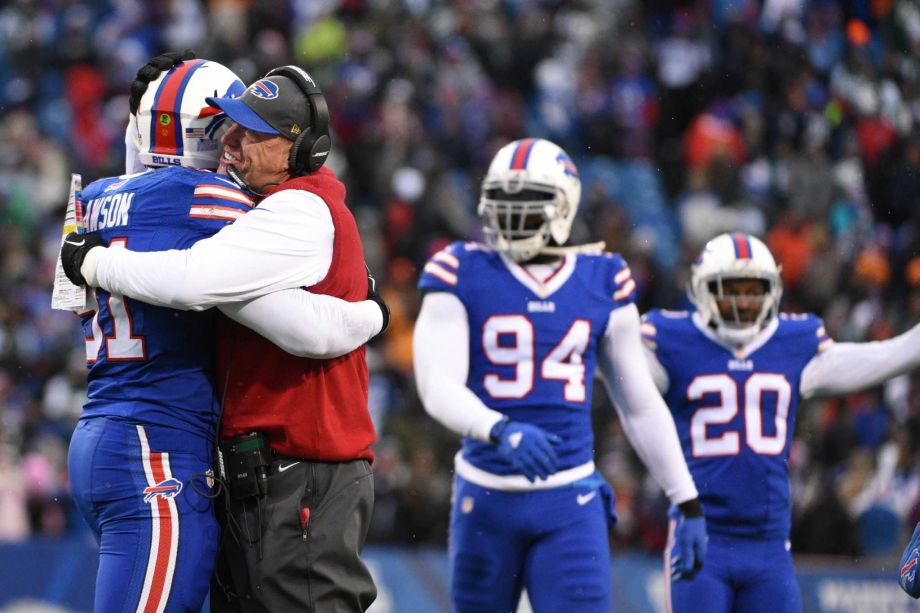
264, 89
168, 488
568, 167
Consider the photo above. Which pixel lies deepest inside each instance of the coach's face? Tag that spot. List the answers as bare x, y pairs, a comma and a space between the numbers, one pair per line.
262, 159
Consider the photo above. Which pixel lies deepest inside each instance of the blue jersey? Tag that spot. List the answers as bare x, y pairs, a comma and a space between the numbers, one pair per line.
735, 415
152, 364
533, 345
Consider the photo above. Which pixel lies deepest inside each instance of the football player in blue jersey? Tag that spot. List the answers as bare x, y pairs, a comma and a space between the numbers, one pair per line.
907, 574
505, 348
733, 373
140, 459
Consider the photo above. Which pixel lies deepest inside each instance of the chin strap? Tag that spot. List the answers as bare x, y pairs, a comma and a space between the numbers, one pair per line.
588, 248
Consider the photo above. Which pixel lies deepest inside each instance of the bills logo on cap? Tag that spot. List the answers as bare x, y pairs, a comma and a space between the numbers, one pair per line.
168, 488
264, 89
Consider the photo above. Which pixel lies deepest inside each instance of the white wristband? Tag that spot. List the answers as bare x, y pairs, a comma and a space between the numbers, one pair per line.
88, 268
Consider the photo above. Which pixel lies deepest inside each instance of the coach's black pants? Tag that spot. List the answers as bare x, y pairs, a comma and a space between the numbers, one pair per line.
269, 562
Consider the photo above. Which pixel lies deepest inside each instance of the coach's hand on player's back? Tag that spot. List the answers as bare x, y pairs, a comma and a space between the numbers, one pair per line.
909, 560
528, 448
690, 539
73, 254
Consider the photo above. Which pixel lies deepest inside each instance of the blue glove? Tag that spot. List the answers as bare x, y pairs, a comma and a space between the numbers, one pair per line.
909, 560
689, 540
528, 448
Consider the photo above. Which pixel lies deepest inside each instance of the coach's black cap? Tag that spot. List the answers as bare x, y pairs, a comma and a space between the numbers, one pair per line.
273, 105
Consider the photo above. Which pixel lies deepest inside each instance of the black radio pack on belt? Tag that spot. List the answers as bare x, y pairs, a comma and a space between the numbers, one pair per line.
246, 460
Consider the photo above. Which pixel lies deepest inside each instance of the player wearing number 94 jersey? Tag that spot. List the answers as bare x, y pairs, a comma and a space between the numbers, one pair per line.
733, 373
505, 350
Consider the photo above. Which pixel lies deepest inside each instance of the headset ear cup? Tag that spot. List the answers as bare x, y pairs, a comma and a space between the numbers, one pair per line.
318, 152
312, 146
301, 159
294, 162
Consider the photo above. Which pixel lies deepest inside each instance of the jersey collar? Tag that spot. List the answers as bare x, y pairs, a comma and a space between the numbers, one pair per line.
547, 287
744, 351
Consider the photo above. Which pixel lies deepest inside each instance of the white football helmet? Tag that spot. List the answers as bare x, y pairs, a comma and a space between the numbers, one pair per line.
529, 196
175, 126
734, 256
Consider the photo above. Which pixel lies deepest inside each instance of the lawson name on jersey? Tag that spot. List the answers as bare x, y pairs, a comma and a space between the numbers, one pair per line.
108, 211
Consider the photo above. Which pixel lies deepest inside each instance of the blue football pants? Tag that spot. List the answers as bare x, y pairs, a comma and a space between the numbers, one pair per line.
140, 488
739, 576
553, 542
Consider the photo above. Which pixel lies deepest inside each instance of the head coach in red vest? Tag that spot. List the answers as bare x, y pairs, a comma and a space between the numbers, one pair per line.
295, 433
313, 413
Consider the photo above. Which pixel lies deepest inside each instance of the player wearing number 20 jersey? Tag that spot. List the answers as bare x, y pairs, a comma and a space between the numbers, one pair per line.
733, 373
735, 415
505, 349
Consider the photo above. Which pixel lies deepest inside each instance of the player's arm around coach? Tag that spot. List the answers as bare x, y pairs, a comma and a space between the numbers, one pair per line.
309, 457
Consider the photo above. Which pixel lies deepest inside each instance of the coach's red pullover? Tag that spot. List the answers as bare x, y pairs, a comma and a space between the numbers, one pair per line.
310, 409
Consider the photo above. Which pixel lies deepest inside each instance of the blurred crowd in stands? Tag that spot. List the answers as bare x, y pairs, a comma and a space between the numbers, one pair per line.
795, 120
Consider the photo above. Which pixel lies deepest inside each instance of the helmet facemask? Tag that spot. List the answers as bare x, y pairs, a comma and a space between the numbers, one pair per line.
529, 198
519, 223
748, 288
740, 316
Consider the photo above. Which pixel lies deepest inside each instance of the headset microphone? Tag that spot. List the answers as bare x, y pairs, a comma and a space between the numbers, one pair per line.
237, 178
